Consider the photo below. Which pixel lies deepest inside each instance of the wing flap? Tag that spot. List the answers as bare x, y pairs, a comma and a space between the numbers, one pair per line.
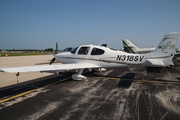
48, 67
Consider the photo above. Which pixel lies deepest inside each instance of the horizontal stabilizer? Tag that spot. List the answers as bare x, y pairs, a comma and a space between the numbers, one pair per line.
156, 62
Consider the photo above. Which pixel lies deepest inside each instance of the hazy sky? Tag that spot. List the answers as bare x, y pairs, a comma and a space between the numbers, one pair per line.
39, 24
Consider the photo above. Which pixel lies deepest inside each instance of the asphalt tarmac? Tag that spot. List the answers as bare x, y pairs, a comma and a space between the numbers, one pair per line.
131, 93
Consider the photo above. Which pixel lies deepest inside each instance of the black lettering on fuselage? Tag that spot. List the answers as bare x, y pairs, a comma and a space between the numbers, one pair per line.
136, 58
141, 57
118, 57
123, 58
129, 58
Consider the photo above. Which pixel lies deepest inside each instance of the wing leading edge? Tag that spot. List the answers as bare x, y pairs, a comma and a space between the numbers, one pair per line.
48, 67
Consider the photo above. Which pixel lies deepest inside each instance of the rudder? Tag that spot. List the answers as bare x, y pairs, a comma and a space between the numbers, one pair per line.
167, 45
165, 50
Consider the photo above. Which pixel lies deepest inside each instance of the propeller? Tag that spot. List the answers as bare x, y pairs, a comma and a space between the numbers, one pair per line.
56, 48
54, 54
52, 61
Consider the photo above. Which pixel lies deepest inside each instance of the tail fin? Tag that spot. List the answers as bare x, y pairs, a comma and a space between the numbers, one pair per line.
167, 45
165, 51
128, 46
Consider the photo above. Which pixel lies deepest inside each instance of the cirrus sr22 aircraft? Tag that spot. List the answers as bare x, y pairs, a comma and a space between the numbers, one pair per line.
91, 56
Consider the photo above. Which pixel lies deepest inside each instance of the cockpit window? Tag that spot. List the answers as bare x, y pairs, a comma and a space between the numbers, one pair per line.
69, 49
97, 51
83, 50
74, 50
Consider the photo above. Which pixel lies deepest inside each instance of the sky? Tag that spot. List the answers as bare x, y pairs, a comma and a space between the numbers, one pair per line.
39, 24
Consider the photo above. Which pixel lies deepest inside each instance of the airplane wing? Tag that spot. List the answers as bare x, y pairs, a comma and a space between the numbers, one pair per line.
48, 67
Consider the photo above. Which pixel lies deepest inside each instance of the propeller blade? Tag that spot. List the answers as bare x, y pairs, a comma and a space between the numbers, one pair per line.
52, 61
56, 48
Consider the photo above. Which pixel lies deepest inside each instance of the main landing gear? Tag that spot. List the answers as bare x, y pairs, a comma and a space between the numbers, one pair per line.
78, 76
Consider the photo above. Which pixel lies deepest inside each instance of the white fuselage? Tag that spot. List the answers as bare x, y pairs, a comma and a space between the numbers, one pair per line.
106, 58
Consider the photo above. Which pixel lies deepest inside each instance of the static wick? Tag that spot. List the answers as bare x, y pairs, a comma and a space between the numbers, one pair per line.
17, 78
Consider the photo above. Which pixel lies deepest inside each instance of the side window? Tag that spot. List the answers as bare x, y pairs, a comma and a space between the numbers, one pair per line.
83, 50
97, 51
74, 50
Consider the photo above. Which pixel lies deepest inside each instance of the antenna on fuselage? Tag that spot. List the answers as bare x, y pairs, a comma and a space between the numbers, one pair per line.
101, 42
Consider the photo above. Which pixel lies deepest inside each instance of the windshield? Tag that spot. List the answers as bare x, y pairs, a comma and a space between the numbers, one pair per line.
74, 50
69, 49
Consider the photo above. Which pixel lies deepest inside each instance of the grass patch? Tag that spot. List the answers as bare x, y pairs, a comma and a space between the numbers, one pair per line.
23, 54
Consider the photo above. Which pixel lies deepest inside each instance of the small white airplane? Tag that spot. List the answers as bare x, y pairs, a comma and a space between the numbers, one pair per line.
131, 48
91, 56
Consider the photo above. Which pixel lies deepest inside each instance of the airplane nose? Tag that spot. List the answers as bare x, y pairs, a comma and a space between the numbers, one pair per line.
61, 57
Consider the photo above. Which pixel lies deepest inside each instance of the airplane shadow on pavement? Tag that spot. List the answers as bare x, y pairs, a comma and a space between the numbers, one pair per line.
153, 69
124, 83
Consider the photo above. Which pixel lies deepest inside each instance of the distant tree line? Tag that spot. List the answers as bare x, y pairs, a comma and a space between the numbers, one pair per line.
31, 50
49, 49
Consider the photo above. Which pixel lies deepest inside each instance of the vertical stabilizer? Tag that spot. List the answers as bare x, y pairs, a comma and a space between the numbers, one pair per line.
167, 45
166, 49
129, 46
